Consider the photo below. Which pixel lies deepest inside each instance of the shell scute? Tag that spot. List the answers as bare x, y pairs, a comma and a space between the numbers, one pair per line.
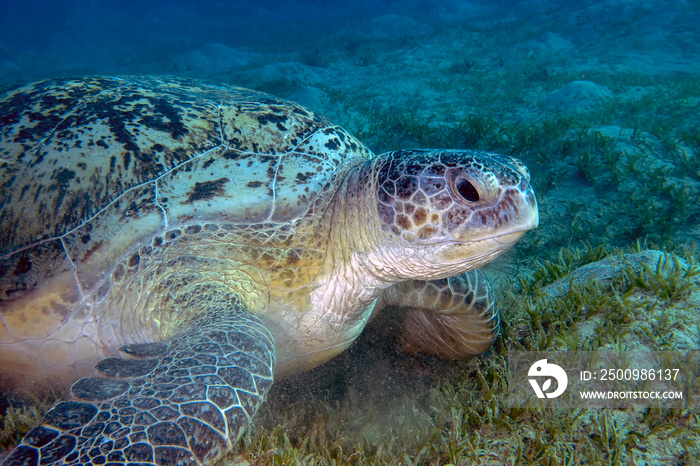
121, 126
90, 168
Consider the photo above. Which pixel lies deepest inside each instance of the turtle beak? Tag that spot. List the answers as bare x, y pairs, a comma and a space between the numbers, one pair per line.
529, 219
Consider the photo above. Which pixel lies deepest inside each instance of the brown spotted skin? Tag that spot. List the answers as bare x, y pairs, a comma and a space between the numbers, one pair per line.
436, 196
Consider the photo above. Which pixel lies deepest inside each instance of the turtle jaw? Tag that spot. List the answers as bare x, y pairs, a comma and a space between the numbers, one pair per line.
462, 256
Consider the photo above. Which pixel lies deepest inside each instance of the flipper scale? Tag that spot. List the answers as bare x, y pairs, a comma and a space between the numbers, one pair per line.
162, 410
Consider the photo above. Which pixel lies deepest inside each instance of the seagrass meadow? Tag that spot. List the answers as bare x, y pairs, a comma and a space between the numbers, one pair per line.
600, 100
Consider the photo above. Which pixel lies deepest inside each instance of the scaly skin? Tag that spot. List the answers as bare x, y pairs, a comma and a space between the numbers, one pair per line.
185, 221
181, 402
454, 318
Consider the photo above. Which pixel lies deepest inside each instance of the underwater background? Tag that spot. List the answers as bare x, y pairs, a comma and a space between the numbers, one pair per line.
600, 99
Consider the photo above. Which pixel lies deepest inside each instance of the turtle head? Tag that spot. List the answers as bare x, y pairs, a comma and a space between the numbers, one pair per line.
447, 211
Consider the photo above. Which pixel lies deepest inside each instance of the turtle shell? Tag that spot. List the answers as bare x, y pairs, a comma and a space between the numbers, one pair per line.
91, 167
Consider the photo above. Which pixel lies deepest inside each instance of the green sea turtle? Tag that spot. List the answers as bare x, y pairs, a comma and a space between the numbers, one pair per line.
195, 241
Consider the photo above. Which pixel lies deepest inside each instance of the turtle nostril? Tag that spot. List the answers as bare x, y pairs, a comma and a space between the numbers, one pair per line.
467, 190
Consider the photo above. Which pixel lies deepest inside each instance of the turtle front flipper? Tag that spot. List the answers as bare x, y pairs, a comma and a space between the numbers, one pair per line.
185, 401
454, 318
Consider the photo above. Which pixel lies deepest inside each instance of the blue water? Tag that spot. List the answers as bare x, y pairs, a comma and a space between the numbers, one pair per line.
45, 38
41, 39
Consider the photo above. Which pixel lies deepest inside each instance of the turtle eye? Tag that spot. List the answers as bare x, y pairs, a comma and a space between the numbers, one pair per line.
467, 190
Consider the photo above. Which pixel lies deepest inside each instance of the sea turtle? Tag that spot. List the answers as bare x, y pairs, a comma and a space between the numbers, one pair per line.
195, 241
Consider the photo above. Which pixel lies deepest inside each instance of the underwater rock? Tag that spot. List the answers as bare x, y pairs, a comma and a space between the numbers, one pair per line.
532, 8
605, 271
275, 71
458, 11
282, 78
216, 58
313, 98
554, 43
9, 72
391, 27
661, 303
577, 96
